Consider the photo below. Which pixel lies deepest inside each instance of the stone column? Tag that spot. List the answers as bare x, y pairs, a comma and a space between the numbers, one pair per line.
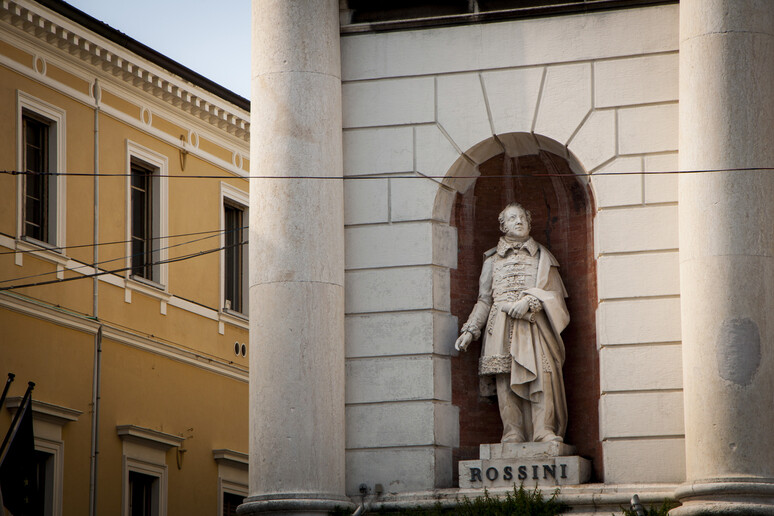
726, 248
296, 260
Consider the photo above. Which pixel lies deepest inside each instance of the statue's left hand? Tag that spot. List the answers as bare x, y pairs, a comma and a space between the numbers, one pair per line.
519, 308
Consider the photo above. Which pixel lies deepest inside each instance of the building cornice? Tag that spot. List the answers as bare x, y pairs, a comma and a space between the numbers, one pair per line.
133, 64
46, 411
145, 51
232, 458
148, 436
89, 325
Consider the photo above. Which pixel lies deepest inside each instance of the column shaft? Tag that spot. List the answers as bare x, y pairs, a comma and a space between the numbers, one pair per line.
296, 260
726, 254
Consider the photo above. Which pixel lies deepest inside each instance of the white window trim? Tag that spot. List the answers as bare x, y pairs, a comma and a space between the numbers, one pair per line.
58, 117
161, 163
232, 474
48, 420
146, 468
241, 198
144, 451
55, 448
226, 486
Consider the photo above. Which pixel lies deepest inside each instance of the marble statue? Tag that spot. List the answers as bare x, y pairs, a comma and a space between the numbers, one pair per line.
521, 312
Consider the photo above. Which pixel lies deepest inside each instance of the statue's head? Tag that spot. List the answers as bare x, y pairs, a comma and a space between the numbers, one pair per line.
515, 221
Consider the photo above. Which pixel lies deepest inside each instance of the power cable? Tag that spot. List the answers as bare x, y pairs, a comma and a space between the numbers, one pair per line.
115, 242
412, 176
113, 271
85, 265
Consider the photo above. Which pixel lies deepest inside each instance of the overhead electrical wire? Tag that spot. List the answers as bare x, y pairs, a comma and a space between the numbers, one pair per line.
87, 265
121, 269
114, 242
382, 176
402, 176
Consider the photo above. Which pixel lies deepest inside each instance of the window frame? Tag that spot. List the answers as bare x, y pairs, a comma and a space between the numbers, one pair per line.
145, 451
48, 421
232, 196
159, 185
52, 497
158, 472
232, 488
232, 474
55, 117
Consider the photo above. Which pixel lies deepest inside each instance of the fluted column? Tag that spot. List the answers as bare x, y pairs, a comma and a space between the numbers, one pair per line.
296, 260
726, 248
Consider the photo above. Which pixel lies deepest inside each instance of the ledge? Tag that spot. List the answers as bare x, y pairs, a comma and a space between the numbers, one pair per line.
41, 251
149, 288
234, 319
584, 498
231, 458
146, 436
44, 411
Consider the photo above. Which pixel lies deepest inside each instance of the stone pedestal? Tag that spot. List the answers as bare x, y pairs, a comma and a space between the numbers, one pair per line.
531, 464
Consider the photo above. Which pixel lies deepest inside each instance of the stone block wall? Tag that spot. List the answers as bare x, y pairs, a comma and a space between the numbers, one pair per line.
422, 109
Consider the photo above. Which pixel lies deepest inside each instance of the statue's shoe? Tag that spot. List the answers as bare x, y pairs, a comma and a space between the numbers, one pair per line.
550, 438
514, 438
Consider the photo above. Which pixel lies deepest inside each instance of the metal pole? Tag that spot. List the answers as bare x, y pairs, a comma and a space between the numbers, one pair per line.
8, 382
12, 431
95, 312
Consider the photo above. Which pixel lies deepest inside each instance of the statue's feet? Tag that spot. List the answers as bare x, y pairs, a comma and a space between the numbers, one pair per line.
513, 438
550, 438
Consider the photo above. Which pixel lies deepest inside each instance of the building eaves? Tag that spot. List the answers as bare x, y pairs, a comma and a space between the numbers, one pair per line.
144, 51
100, 57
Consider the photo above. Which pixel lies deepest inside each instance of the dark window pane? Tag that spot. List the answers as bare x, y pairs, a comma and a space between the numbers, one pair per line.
36, 185
44, 463
230, 503
234, 252
141, 494
138, 251
34, 157
142, 221
138, 213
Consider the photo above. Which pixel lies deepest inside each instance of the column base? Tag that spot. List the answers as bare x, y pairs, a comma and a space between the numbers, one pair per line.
298, 505
725, 496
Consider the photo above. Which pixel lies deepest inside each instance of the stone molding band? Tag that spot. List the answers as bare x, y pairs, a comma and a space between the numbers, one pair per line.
296, 504
725, 496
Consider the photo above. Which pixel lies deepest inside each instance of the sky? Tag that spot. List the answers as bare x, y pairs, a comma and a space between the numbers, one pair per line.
211, 38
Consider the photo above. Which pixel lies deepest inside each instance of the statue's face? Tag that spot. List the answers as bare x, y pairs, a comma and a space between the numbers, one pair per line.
516, 224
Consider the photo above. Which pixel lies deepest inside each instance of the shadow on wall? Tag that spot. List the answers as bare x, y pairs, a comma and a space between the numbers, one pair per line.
562, 208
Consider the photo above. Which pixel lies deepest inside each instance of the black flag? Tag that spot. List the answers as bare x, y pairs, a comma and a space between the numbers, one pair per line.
18, 469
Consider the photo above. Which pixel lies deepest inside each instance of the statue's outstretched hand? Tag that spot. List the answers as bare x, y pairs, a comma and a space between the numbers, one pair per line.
463, 341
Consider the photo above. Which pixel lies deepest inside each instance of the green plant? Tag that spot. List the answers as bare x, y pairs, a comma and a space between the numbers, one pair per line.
520, 502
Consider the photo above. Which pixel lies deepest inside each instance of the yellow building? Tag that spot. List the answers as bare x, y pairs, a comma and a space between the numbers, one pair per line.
126, 230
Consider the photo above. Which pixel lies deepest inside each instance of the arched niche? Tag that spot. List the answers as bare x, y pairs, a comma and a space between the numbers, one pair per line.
546, 178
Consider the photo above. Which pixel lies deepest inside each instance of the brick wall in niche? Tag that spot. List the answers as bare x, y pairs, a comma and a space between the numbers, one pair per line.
562, 210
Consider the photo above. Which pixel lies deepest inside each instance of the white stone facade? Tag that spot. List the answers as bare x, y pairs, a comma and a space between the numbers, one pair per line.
600, 89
